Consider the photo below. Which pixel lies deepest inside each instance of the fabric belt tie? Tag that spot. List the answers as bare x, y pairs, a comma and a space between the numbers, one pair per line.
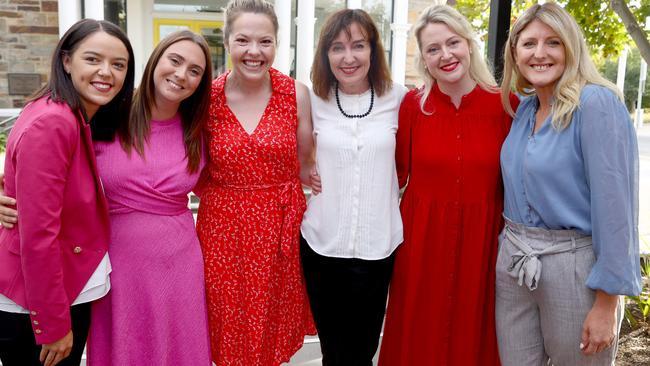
525, 262
290, 204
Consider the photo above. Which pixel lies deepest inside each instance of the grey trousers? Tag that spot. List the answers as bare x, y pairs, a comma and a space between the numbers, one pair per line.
543, 326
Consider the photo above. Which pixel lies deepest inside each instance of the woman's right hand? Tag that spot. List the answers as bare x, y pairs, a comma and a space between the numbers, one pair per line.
53, 353
8, 216
315, 182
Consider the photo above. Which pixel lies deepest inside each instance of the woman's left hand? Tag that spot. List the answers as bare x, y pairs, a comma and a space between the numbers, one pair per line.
600, 326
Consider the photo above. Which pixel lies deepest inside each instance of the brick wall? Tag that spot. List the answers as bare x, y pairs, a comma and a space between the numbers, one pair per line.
29, 32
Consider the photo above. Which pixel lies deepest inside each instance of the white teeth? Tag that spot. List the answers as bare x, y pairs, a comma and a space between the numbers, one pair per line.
101, 86
541, 67
253, 63
173, 84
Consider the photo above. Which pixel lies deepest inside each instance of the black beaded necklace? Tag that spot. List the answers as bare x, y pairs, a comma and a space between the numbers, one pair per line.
338, 103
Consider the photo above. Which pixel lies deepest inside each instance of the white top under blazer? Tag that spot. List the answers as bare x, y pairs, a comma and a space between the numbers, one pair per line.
357, 213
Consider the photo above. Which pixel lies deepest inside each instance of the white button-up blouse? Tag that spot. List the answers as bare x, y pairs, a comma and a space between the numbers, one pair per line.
357, 213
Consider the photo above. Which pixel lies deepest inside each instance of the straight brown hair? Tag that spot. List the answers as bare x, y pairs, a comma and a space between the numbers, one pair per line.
193, 111
323, 79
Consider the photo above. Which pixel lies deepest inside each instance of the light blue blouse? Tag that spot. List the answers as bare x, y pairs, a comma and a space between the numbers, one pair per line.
585, 177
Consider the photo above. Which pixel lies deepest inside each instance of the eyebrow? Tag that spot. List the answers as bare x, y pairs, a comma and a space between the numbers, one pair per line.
183, 58
438, 43
360, 40
93, 53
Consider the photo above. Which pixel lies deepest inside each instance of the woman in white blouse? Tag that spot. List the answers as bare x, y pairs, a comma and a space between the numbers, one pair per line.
352, 228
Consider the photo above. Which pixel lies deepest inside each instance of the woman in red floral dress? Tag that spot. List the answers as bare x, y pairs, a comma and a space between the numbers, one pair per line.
252, 201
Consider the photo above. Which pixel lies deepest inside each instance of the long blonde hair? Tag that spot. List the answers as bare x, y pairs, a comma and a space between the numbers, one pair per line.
579, 68
478, 68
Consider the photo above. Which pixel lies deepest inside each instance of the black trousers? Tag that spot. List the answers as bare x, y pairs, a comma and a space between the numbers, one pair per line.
18, 346
348, 301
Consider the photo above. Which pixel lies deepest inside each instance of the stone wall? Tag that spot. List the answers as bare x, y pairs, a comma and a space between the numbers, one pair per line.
29, 32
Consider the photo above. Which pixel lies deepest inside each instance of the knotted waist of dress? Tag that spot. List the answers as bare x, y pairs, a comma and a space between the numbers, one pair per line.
525, 264
289, 198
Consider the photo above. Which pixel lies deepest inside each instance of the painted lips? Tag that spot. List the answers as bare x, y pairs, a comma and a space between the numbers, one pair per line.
349, 70
450, 67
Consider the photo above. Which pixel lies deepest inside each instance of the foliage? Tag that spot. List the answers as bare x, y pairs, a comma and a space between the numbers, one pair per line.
603, 29
609, 69
3, 142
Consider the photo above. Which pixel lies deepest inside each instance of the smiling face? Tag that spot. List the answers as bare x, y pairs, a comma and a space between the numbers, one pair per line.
446, 55
97, 68
178, 72
349, 59
540, 56
251, 44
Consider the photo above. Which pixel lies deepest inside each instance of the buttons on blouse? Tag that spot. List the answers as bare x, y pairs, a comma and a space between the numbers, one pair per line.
33, 313
35, 322
76, 250
38, 331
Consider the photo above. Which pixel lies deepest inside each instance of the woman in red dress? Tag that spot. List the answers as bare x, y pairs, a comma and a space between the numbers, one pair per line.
441, 303
260, 146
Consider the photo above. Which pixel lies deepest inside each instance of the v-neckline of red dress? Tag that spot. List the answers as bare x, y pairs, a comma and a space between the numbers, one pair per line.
262, 117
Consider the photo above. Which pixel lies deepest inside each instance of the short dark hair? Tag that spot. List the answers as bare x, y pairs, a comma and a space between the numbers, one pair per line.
322, 78
59, 88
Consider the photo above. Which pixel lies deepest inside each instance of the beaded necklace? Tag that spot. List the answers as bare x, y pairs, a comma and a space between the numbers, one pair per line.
338, 103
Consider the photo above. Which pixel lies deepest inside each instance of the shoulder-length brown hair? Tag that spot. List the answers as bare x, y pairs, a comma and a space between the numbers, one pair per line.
323, 79
193, 110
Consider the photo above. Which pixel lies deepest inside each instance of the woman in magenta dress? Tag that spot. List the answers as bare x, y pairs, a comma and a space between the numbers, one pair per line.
441, 303
155, 313
252, 202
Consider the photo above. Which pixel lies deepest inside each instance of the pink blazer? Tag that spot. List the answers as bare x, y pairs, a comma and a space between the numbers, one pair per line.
63, 229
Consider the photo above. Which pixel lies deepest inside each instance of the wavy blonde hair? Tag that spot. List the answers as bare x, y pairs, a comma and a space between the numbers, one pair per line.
579, 68
478, 67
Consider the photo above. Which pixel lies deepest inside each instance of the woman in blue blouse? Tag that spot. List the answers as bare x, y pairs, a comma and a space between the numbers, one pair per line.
570, 171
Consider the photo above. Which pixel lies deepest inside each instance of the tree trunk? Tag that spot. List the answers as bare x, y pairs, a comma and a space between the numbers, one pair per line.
633, 28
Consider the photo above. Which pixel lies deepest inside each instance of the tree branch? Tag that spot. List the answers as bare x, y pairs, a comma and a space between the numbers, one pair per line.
633, 28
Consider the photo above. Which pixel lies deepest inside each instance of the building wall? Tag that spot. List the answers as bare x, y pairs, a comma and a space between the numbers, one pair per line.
29, 32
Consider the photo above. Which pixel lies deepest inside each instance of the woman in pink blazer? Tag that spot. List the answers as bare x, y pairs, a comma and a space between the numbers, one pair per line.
55, 263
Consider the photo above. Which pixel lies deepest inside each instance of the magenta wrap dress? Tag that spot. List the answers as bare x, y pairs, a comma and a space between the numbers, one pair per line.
155, 313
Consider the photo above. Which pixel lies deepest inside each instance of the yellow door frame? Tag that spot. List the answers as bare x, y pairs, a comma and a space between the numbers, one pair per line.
194, 25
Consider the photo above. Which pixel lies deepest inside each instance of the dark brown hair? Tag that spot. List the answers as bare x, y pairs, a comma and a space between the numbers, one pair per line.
193, 110
109, 118
322, 78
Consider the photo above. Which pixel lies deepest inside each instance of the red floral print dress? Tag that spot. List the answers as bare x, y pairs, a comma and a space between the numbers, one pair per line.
248, 224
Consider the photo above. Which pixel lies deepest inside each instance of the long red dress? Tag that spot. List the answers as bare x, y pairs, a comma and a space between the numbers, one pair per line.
248, 224
441, 302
